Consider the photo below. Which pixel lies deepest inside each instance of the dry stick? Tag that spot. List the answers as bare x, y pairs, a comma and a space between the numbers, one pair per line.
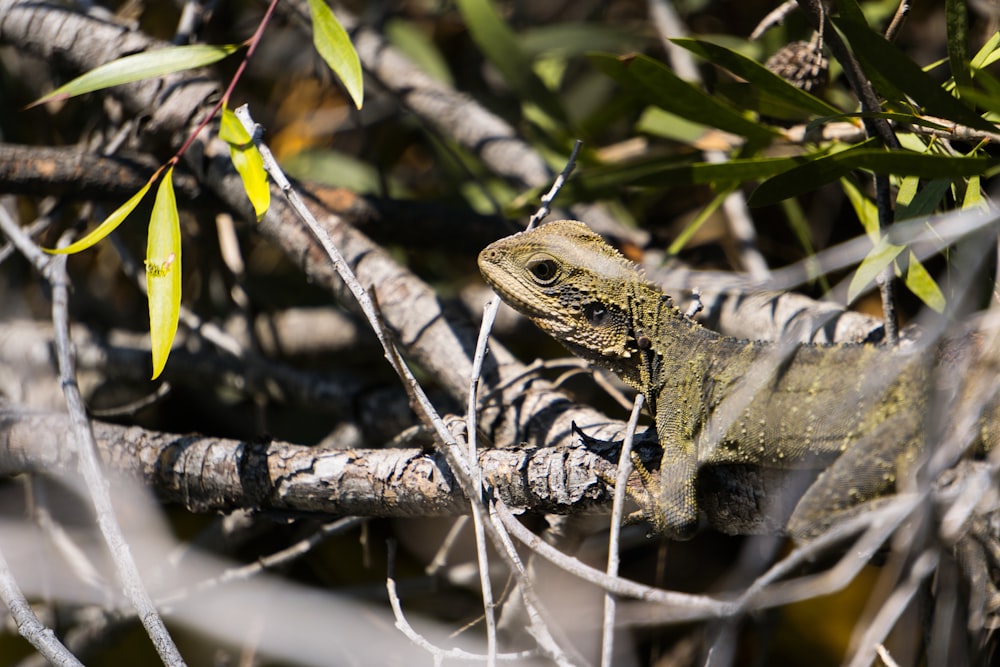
489, 316
279, 558
445, 440
439, 653
878, 630
42, 638
97, 484
54, 271
617, 510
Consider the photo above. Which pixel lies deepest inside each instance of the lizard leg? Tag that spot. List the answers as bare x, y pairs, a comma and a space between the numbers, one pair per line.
868, 473
667, 501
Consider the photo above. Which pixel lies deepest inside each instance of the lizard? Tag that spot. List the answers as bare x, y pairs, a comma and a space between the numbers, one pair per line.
855, 411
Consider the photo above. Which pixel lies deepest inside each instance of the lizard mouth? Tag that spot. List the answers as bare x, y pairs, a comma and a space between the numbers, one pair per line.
496, 276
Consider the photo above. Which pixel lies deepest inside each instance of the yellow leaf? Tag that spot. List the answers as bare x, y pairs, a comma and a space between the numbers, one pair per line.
106, 227
921, 283
247, 160
163, 272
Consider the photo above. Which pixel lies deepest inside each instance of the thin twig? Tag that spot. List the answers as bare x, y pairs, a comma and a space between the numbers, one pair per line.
445, 440
617, 511
54, 270
489, 317
419, 640
42, 638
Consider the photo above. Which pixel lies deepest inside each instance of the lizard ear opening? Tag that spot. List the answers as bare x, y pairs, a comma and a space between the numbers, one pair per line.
597, 315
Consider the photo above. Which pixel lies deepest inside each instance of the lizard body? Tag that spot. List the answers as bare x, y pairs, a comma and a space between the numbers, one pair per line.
855, 411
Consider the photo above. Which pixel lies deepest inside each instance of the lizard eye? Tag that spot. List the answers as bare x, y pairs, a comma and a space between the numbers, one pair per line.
596, 314
544, 270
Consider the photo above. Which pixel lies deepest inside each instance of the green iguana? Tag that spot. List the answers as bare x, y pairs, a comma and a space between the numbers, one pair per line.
857, 411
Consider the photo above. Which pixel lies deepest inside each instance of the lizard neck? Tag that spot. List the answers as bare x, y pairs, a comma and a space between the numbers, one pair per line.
666, 343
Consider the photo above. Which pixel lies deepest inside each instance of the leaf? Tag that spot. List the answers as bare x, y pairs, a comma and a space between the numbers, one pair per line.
334, 45
699, 220
924, 201
672, 170
500, 46
974, 195
109, 225
920, 282
140, 66
863, 207
248, 161
957, 21
877, 259
654, 82
163, 272
988, 54
760, 77
822, 170
891, 72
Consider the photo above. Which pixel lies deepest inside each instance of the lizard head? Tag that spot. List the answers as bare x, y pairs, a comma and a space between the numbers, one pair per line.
571, 283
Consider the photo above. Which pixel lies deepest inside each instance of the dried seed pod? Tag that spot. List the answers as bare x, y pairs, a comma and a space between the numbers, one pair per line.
802, 64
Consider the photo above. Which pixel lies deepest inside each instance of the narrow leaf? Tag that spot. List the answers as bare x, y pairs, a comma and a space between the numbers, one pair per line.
924, 201
109, 225
877, 259
138, 67
334, 46
163, 272
957, 21
759, 76
656, 83
817, 172
889, 68
920, 282
248, 161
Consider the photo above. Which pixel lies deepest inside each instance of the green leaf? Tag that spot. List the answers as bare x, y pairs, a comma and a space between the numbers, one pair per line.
818, 172
248, 161
957, 21
500, 46
109, 225
877, 259
693, 226
974, 195
891, 72
920, 282
656, 83
758, 76
571, 39
334, 45
163, 272
673, 170
138, 67
660, 123
924, 201
988, 54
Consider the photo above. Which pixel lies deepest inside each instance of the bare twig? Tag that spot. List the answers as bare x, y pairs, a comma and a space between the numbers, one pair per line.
617, 512
86, 448
42, 638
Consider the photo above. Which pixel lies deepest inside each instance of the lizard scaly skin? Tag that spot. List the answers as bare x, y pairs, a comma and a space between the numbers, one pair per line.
855, 411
